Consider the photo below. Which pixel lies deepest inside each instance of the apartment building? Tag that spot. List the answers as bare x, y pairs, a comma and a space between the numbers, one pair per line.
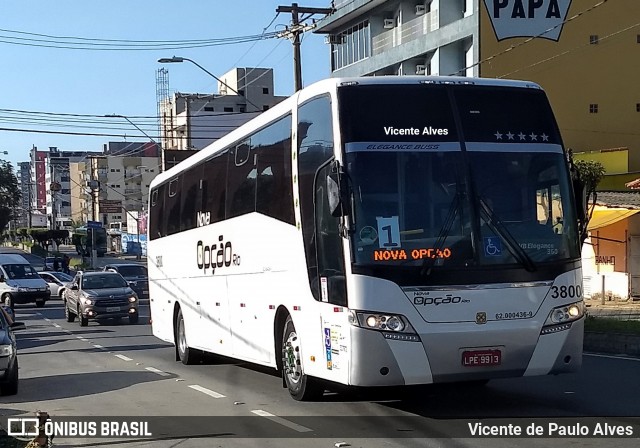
121, 175
192, 121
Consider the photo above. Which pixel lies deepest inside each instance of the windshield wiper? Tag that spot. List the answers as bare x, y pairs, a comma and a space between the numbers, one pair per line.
428, 263
496, 226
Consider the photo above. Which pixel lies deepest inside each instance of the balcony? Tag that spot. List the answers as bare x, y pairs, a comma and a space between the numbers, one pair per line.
407, 32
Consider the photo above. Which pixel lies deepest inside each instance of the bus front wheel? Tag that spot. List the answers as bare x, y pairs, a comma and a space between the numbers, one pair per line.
186, 354
301, 387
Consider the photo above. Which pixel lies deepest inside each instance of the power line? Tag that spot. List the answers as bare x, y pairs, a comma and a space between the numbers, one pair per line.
123, 45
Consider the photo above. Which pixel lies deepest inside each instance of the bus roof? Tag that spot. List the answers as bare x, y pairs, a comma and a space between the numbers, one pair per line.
325, 86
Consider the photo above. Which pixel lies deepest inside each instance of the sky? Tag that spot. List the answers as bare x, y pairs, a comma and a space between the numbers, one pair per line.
38, 83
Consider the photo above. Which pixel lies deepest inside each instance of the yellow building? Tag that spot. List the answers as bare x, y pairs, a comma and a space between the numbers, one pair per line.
590, 73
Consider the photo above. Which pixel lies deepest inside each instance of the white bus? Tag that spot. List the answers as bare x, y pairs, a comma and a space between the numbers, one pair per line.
376, 231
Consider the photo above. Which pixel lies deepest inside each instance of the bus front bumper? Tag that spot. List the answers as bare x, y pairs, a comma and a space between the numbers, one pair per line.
442, 356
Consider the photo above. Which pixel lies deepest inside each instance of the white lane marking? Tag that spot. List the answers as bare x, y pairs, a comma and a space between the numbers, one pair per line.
626, 358
159, 372
57, 326
98, 346
282, 421
124, 358
79, 337
209, 392
84, 340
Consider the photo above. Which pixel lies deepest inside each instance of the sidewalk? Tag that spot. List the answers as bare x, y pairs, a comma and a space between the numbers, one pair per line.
628, 310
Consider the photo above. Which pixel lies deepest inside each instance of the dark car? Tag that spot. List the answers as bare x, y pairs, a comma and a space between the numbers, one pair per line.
8, 353
135, 274
100, 295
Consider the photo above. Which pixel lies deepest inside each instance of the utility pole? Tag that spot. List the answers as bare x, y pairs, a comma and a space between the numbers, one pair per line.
294, 32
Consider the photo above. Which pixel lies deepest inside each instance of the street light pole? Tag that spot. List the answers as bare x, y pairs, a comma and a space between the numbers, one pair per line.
180, 59
145, 134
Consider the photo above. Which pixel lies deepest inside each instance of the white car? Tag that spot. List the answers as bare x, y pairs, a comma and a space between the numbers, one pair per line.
57, 282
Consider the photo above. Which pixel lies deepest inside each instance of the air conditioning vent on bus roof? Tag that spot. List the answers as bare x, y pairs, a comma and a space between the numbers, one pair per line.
420, 9
420, 69
388, 23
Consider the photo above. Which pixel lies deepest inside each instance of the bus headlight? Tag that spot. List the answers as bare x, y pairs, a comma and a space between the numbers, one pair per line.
560, 317
392, 326
132, 299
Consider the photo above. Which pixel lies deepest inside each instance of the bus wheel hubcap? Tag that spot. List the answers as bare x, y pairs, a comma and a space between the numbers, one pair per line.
292, 366
182, 340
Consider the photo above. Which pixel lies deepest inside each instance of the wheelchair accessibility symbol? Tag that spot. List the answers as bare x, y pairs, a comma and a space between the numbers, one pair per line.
492, 246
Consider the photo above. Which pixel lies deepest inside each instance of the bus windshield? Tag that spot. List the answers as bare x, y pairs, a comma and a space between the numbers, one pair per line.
430, 190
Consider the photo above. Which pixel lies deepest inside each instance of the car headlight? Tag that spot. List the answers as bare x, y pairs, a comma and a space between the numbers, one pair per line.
6, 350
87, 301
392, 326
132, 299
23, 289
561, 317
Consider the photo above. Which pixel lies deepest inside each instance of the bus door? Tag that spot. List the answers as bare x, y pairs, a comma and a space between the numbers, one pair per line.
332, 288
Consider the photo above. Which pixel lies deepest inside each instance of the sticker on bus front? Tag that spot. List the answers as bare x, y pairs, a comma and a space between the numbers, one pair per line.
388, 232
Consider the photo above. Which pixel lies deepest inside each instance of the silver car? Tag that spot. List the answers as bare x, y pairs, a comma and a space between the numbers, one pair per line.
57, 282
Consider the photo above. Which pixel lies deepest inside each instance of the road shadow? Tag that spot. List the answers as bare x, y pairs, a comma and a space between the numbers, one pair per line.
56, 387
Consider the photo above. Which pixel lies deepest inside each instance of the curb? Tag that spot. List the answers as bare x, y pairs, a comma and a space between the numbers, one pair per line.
612, 343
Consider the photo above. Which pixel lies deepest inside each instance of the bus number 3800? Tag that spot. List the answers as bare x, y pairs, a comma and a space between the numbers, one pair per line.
564, 291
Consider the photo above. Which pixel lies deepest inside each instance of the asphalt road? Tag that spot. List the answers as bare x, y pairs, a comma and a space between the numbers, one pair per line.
117, 369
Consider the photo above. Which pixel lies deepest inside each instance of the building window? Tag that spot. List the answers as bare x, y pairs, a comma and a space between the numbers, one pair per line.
593, 39
637, 107
638, 38
593, 108
208, 109
228, 109
265, 90
352, 45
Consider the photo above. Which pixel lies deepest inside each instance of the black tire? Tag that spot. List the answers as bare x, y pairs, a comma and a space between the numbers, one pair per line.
133, 318
11, 386
7, 300
84, 321
186, 354
70, 315
40, 303
301, 387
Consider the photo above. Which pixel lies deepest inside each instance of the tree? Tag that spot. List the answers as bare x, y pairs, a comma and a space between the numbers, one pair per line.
591, 173
9, 193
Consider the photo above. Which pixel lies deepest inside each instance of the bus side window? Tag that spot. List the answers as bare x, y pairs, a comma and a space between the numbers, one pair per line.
241, 181
315, 146
156, 213
329, 244
274, 194
191, 198
172, 204
214, 186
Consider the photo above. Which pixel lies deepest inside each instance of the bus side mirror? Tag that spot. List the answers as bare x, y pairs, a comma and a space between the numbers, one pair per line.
580, 190
337, 192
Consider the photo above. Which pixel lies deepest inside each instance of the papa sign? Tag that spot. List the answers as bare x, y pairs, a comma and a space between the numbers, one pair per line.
527, 18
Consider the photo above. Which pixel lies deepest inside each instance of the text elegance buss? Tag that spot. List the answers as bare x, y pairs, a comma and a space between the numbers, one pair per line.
375, 232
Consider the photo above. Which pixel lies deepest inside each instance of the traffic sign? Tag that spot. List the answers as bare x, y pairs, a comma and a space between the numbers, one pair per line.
94, 224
